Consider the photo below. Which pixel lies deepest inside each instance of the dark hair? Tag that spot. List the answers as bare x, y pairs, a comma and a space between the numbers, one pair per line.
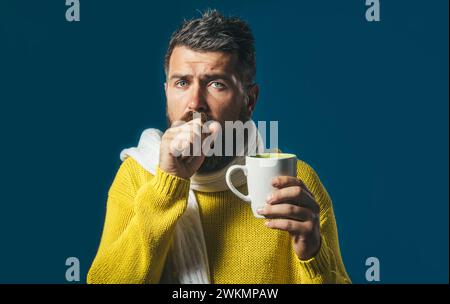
214, 32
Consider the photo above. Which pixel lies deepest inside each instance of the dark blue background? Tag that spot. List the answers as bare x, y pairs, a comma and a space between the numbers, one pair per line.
366, 104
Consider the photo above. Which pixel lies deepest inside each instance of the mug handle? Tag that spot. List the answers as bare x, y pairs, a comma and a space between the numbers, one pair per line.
230, 170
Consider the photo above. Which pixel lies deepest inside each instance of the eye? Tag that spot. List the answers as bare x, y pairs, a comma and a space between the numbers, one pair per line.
181, 83
218, 85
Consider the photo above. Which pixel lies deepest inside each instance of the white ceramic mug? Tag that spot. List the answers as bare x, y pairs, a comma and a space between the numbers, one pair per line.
260, 169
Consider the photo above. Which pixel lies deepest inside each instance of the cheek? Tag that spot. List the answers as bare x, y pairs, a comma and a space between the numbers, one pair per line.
176, 103
173, 97
231, 97
226, 107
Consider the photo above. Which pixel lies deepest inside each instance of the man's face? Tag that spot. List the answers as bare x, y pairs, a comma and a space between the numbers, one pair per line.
205, 82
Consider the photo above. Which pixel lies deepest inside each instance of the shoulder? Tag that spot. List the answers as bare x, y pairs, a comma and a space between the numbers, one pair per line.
312, 181
306, 173
129, 178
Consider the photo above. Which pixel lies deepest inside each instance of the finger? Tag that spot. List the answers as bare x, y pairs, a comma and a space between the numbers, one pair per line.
291, 226
196, 123
284, 194
178, 147
181, 139
177, 123
188, 128
288, 211
211, 135
194, 143
194, 129
186, 133
193, 137
288, 181
294, 194
283, 181
186, 138
212, 127
180, 123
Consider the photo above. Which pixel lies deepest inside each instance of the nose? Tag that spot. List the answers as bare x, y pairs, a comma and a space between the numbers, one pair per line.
197, 100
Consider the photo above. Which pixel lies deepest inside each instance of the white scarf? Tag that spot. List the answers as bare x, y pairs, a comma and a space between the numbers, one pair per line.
188, 256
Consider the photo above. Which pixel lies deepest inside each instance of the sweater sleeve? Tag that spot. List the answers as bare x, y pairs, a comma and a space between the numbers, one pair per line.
141, 215
327, 266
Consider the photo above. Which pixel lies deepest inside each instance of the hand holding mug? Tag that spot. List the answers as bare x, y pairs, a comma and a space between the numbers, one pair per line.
292, 208
276, 193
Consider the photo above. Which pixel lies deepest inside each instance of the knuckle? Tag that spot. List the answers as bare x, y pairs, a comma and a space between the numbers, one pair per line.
309, 227
297, 191
291, 209
281, 224
275, 196
276, 180
288, 225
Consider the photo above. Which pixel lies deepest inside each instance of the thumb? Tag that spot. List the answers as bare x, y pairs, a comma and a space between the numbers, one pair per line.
214, 127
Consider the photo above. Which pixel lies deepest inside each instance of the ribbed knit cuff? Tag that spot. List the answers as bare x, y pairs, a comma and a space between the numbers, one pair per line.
170, 185
318, 266
163, 199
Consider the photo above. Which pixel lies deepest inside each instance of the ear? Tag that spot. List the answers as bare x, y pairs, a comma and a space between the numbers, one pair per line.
166, 86
252, 95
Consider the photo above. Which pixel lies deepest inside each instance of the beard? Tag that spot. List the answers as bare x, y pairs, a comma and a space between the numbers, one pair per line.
214, 163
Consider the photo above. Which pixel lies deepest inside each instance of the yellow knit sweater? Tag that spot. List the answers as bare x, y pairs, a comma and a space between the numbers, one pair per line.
142, 211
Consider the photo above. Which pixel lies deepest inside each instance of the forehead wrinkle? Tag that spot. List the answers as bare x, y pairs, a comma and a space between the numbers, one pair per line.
212, 59
209, 66
185, 61
206, 72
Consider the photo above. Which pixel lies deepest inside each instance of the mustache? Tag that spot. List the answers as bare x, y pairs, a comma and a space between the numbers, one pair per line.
190, 116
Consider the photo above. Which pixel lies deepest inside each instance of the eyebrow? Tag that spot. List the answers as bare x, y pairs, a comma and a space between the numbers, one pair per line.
204, 77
